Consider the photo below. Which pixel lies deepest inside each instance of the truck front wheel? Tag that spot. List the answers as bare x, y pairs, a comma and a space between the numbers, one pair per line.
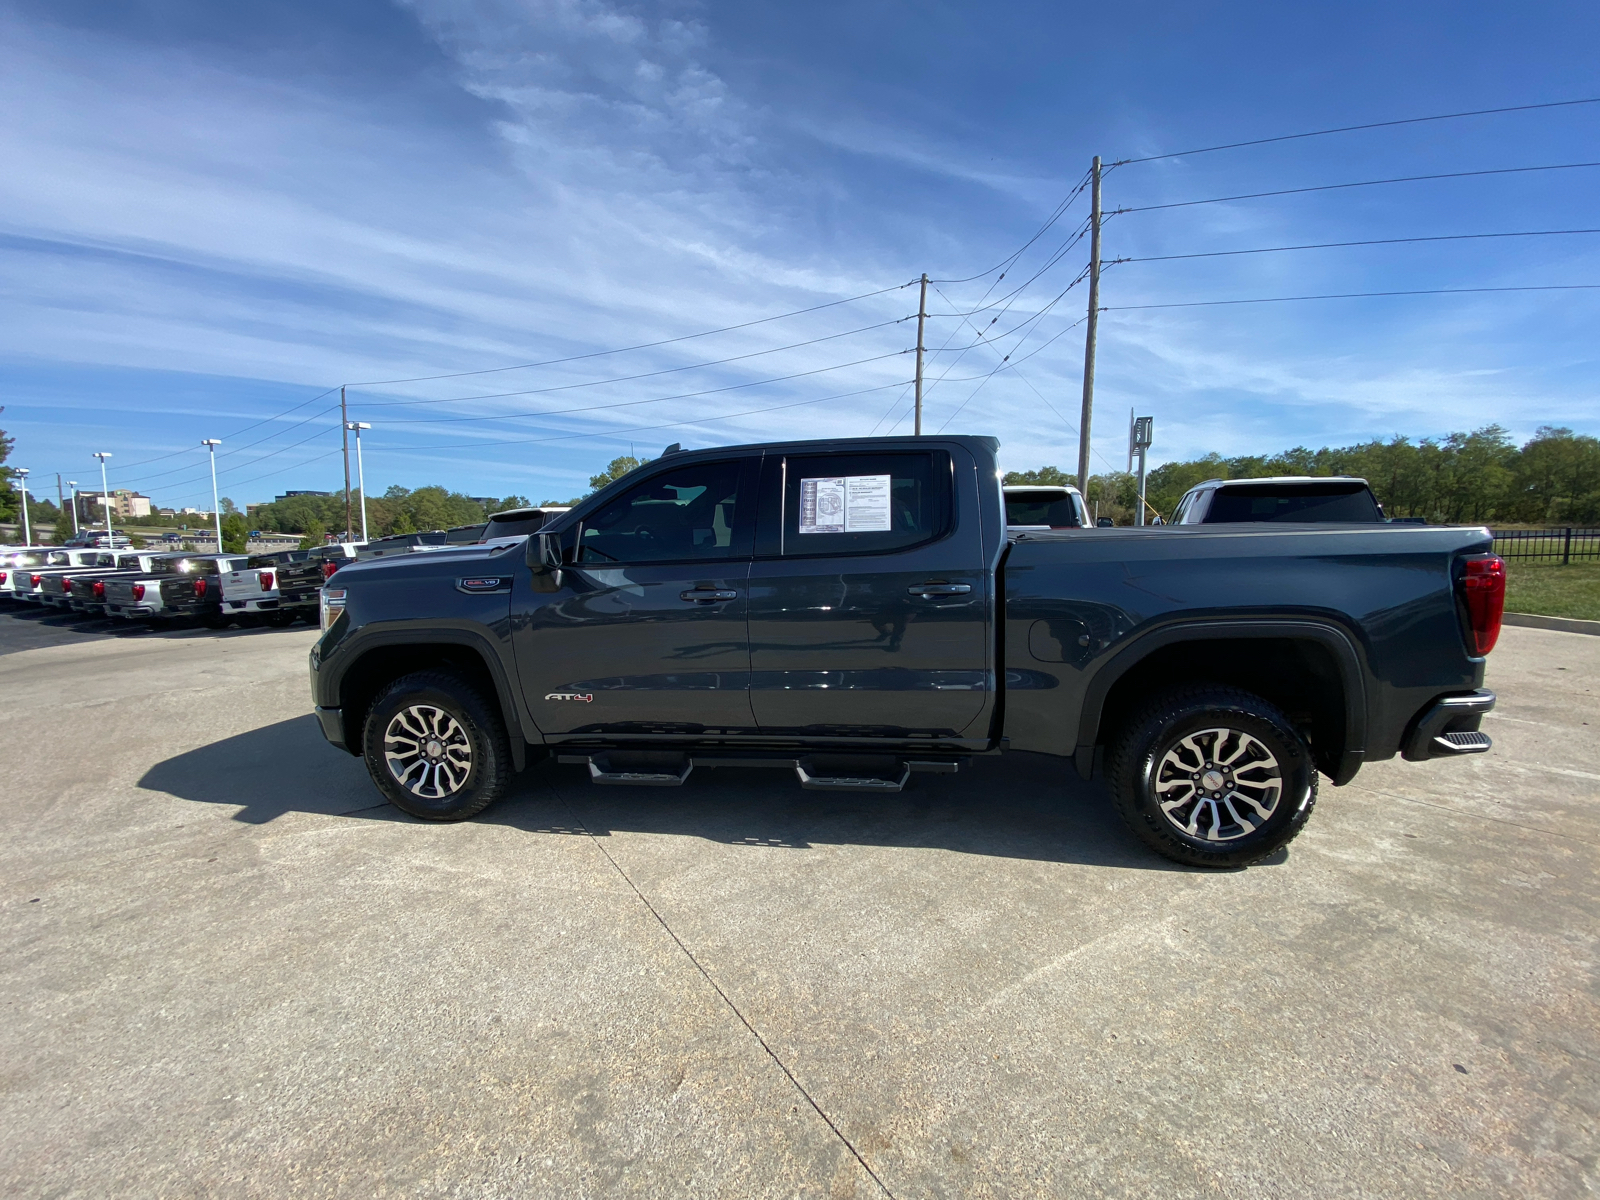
1213, 777
436, 747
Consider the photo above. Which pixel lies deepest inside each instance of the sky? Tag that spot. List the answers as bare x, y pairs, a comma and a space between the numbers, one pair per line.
528, 236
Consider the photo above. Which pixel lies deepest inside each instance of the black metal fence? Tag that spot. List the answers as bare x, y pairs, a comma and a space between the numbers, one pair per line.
1556, 544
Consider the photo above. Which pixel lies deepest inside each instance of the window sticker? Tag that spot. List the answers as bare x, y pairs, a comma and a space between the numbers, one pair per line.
845, 504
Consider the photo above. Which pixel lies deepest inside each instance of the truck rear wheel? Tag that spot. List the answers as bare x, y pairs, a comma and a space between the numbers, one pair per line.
436, 747
1213, 777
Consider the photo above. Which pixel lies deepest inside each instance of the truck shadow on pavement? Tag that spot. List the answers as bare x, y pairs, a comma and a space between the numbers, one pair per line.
1022, 806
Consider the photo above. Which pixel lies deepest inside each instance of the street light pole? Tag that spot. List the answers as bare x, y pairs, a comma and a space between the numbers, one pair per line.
27, 528
73, 484
361, 473
211, 444
105, 495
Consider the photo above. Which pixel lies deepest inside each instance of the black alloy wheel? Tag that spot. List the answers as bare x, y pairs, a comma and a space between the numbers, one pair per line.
1213, 777
436, 747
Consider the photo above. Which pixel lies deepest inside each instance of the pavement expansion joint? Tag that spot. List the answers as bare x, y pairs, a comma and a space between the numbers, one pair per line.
726, 999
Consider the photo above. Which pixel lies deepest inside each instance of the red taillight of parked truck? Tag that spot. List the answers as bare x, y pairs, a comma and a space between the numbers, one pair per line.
267, 581
328, 568
199, 588
66, 585
99, 590
138, 591
1482, 588
4, 576
34, 579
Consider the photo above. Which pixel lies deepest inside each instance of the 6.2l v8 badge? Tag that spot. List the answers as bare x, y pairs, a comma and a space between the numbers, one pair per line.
586, 697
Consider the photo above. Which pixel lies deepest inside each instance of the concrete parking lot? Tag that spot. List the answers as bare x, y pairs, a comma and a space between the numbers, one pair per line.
229, 971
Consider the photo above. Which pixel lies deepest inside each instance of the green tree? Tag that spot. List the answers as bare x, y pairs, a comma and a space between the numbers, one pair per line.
315, 534
227, 506
615, 470
10, 503
235, 533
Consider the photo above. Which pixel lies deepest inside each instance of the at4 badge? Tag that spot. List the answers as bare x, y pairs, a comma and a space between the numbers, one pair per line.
586, 697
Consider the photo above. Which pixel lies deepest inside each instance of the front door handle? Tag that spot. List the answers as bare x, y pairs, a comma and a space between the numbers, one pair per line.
707, 595
939, 589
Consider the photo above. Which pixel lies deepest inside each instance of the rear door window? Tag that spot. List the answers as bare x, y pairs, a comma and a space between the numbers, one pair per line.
864, 503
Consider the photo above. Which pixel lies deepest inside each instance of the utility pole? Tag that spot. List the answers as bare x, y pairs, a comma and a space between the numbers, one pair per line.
73, 484
61, 500
105, 496
344, 420
211, 444
922, 317
361, 472
1089, 337
27, 526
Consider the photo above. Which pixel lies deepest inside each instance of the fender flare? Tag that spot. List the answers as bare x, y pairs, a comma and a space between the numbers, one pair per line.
369, 639
1330, 636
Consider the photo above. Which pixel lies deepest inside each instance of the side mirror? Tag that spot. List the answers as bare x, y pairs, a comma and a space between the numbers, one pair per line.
544, 556
1105, 523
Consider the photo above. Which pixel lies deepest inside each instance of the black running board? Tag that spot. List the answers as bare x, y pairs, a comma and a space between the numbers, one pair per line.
881, 773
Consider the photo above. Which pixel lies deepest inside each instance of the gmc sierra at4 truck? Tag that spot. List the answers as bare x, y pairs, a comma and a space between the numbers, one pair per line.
857, 611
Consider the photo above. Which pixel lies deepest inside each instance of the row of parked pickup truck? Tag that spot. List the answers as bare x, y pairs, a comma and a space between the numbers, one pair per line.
213, 589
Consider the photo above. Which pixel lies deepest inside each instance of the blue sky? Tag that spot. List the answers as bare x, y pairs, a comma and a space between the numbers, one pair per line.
211, 214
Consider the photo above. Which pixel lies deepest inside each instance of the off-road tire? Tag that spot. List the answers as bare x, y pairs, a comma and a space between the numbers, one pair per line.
1137, 755
484, 731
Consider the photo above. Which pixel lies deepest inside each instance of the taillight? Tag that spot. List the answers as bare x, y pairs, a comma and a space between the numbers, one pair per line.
199, 587
99, 590
138, 591
3, 576
266, 581
66, 585
328, 568
33, 580
1483, 592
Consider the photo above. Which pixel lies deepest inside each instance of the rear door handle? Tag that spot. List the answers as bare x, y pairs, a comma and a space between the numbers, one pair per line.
707, 595
939, 589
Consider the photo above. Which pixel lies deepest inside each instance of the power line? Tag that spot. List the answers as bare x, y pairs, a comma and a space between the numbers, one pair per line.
1289, 137
240, 449
248, 464
567, 387
1006, 262
1332, 187
246, 429
1448, 237
1554, 287
653, 400
642, 346
676, 424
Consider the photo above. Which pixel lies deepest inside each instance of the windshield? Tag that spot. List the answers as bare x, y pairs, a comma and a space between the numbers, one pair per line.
1293, 502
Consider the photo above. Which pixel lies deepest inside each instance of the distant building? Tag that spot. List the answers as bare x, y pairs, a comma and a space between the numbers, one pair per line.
287, 495
486, 501
124, 504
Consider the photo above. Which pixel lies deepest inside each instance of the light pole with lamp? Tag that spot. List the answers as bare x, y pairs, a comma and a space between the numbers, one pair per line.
27, 527
211, 444
361, 474
73, 484
105, 496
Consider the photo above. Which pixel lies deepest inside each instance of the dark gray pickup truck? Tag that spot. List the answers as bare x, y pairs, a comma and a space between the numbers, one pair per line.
856, 611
